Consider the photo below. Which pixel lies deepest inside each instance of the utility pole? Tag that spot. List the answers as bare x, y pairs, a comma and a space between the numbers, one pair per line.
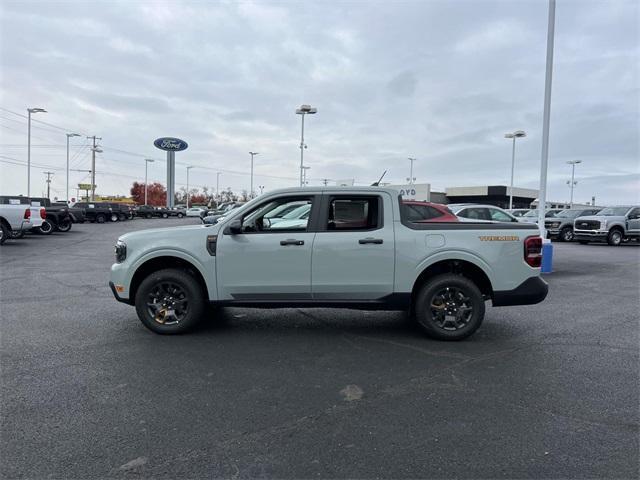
411, 178
325, 181
253, 154
188, 194
69, 135
218, 185
573, 183
94, 149
29, 112
48, 174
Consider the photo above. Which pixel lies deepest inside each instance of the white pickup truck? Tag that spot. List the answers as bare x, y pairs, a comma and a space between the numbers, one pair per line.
356, 250
14, 218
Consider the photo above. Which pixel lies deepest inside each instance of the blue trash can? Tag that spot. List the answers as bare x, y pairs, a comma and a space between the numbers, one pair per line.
547, 257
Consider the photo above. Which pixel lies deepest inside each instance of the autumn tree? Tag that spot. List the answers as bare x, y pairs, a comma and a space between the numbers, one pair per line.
156, 194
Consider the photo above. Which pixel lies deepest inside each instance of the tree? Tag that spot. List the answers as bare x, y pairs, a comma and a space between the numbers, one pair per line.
156, 194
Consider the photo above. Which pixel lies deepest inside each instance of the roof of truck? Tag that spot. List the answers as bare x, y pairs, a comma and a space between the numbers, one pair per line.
324, 189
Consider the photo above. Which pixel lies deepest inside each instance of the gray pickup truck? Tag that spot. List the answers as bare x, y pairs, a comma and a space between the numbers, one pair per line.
613, 225
357, 249
560, 227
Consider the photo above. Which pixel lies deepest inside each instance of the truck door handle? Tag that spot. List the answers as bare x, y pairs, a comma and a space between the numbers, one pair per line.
291, 241
364, 241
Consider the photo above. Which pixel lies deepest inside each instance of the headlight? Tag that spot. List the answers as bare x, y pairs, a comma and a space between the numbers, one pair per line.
121, 251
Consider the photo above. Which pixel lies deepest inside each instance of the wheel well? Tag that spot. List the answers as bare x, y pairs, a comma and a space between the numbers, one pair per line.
617, 227
458, 267
161, 263
6, 224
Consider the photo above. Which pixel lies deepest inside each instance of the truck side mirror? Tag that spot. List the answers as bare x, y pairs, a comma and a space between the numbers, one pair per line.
234, 227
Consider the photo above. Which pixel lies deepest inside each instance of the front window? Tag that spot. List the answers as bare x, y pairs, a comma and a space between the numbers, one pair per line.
614, 211
258, 220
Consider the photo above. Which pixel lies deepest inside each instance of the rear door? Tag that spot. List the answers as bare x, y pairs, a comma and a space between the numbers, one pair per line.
633, 222
354, 250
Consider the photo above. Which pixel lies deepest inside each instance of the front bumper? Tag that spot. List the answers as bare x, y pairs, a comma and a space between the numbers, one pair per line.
591, 235
115, 294
533, 290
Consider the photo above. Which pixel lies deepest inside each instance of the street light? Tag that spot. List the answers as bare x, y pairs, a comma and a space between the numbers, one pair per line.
218, 186
573, 164
147, 161
514, 135
29, 112
304, 175
411, 178
188, 196
69, 135
261, 187
253, 154
304, 110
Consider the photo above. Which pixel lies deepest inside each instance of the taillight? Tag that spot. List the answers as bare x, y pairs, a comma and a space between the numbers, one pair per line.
533, 251
27, 214
43, 214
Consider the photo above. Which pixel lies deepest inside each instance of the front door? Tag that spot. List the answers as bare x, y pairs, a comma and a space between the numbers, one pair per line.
354, 252
267, 260
633, 222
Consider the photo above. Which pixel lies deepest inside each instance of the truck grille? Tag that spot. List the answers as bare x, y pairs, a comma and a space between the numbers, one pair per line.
587, 225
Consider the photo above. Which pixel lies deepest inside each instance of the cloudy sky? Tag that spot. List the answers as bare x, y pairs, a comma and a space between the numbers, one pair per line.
441, 81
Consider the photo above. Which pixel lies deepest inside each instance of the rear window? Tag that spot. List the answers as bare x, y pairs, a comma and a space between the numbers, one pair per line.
354, 213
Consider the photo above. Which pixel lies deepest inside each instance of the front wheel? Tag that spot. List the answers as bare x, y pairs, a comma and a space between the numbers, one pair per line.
114, 217
165, 215
4, 233
449, 307
170, 301
100, 218
614, 238
180, 215
64, 225
566, 234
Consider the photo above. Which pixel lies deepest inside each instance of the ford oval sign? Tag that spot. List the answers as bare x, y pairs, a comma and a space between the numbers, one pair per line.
171, 144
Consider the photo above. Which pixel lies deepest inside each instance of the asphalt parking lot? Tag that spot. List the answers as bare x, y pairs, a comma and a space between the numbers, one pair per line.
549, 390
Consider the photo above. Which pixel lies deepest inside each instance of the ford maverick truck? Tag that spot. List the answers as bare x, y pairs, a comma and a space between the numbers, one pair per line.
356, 249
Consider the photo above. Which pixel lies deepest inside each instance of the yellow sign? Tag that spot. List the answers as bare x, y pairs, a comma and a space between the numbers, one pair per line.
85, 186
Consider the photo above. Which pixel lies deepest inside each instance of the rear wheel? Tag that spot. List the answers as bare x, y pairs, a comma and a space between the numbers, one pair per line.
46, 228
170, 301
114, 217
4, 233
101, 218
566, 234
615, 237
64, 225
449, 307
165, 215
180, 215
122, 217
148, 215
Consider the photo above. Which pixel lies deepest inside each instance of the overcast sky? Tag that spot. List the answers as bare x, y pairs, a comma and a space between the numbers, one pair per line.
441, 81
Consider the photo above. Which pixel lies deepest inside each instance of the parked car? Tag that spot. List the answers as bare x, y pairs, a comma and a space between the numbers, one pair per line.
363, 257
177, 212
14, 217
416, 211
122, 211
560, 227
488, 213
532, 215
57, 216
148, 211
96, 212
196, 212
613, 225
77, 213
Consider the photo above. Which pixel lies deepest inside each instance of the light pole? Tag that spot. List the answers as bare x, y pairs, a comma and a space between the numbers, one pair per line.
261, 187
573, 164
147, 161
188, 195
304, 110
514, 135
218, 186
253, 154
29, 112
69, 135
304, 176
411, 178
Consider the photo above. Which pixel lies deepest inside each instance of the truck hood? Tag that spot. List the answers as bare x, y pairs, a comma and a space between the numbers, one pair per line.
168, 235
601, 218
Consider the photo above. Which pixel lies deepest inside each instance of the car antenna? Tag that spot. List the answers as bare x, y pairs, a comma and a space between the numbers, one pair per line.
377, 184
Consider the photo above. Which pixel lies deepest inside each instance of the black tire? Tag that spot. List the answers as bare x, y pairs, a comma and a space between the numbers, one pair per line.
64, 225
122, 217
566, 234
5, 233
615, 237
46, 228
101, 218
148, 215
163, 289
452, 294
180, 215
165, 215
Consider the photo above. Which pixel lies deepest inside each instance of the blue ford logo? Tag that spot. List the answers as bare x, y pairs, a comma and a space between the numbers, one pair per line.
171, 144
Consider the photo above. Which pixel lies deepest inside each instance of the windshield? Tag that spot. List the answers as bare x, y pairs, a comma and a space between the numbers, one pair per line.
568, 213
532, 213
614, 211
